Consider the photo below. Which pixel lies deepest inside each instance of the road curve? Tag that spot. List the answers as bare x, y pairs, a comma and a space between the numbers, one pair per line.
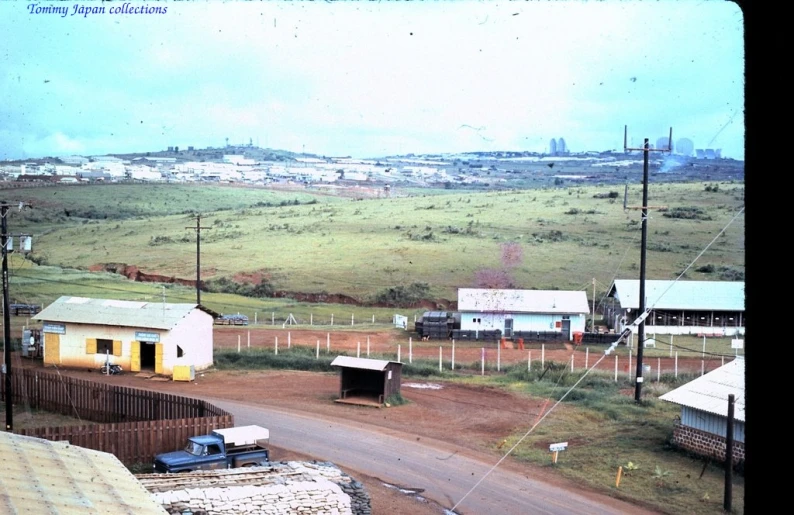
445, 473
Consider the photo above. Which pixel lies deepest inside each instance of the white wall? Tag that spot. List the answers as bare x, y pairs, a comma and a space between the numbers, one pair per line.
72, 344
521, 322
194, 335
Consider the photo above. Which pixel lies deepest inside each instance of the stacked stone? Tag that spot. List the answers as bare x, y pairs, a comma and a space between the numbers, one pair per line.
300, 488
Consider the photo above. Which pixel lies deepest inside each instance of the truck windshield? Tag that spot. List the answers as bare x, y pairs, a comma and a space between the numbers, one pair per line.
196, 449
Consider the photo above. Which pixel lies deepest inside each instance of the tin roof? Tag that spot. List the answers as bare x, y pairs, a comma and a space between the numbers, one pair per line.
82, 310
689, 295
522, 301
362, 363
709, 392
41, 476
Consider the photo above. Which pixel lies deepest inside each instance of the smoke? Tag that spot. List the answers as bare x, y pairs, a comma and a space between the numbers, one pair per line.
670, 163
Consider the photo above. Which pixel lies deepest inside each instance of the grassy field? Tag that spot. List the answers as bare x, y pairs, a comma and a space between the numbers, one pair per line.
561, 238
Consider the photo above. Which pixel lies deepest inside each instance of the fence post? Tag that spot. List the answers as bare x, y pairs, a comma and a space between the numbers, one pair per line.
373, 319
273, 318
616, 368
703, 355
358, 350
676, 364
571, 362
332, 319
249, 339
398, 353
255, 313
529, 361
542, 355
499, 357
440, 367
586, 357
311, 318
671, 345
410, 350
658, 369
289, 340
276, 345
702, 366
482, 361
352, 319
317, 356
238, 343
629, 364
453, 354
328, 342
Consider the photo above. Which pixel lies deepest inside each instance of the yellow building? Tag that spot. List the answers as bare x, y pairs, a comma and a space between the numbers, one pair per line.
81, 332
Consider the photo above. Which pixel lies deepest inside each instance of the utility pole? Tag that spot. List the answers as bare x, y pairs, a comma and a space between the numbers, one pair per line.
6, 320
728, 496
198, 229
641, 329
592, 319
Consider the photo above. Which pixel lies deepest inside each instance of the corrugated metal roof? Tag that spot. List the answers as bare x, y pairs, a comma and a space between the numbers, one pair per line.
40, 476
709, 392
82, 310
362, 363
522, 301
688, 295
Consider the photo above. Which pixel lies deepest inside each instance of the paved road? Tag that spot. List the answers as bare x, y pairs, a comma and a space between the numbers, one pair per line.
446, 473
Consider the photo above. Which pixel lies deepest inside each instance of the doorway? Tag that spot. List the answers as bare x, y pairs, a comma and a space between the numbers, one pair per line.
147, 355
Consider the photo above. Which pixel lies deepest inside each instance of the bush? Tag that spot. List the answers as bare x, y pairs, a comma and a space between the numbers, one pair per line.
225, 285
398, 296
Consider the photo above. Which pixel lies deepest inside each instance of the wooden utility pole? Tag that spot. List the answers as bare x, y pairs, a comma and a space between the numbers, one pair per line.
6, 321
729, 456
198, 229
641, 329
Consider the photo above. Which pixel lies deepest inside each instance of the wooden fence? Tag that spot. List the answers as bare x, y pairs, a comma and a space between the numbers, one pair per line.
132, 424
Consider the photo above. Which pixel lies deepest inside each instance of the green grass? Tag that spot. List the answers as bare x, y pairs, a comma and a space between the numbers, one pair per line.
360, 248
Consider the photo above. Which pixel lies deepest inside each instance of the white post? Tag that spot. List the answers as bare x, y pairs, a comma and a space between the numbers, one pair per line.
276, 345
629, 363
328, 342
249, 339
671, 345
352, 319
332, 319
702, 366
255, 313
414, 317
616, 368
398, 353
311, 318
529, 361
499, 356
440, 366
703, 356
542, 355
453, 354
571, 362
410, 350
358, 350
289, 340
273, 318
586, 357
723, 359
482, 361
107, 360
317, 356
676, 364
238, 343
373, 319
658, 369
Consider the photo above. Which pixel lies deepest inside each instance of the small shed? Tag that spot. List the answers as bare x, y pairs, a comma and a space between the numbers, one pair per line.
367, 381
703, 423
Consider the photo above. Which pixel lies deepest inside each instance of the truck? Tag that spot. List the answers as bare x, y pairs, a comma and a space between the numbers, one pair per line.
244, 446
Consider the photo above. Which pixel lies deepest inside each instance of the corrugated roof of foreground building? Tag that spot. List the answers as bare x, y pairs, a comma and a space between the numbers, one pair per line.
709, 392
123, 313
41, 476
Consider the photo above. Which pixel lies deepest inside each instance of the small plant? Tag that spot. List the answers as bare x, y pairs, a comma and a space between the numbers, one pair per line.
660, 475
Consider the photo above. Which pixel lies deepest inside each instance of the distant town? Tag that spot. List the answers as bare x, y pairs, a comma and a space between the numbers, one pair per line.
247, 164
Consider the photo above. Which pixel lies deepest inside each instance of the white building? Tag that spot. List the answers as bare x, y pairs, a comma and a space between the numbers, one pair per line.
83, 332
518, 311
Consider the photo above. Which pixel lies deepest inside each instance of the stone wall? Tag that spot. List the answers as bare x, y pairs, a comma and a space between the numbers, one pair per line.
305, 488
706, 444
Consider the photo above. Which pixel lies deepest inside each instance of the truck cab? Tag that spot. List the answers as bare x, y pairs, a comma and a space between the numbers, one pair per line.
223, 448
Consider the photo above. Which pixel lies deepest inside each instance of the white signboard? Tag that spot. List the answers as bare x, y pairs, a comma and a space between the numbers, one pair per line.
49, 327
556, 447
401, 321
147, 337
737, 344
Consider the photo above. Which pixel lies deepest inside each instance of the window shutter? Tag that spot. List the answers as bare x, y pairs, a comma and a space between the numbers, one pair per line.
90, 345
117, 347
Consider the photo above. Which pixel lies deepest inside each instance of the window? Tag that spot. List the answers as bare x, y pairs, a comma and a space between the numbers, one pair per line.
179, 352
213, 449
104, 346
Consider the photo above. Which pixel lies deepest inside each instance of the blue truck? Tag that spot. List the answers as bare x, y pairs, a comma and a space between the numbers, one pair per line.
244, 446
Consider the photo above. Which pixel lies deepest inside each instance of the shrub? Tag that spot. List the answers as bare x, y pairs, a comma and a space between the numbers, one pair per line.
403, 295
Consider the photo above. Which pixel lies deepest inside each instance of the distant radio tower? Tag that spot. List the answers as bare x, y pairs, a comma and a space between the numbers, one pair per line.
227, 142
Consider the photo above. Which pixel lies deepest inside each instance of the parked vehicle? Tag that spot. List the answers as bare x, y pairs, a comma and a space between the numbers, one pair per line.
110, 369
244, 446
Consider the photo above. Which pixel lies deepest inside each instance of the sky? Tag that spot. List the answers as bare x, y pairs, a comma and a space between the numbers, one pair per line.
369, 79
